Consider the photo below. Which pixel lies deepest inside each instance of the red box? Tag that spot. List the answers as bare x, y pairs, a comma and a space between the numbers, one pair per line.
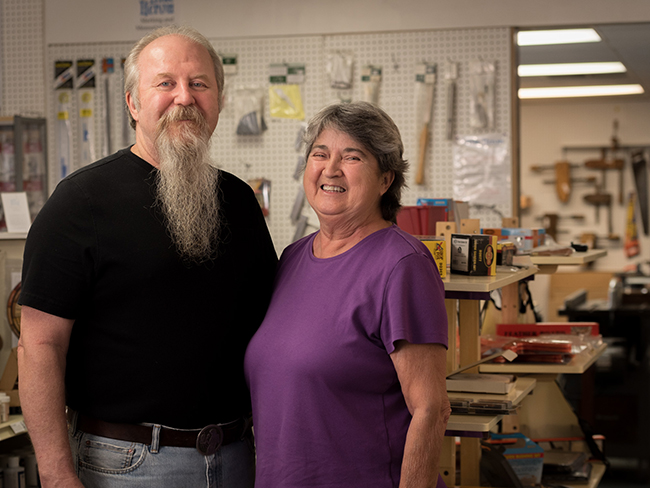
421, 220
533, 330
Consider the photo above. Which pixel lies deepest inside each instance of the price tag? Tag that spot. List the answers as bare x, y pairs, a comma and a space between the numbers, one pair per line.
19, 427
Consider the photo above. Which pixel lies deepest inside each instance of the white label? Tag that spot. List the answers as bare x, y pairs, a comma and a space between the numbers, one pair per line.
19, 427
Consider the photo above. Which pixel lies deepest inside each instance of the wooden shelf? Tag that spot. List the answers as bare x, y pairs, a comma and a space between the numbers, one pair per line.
473, 284
484, 423
13, 427
578, 365
473, 423
12, 236
523, 386
549, 264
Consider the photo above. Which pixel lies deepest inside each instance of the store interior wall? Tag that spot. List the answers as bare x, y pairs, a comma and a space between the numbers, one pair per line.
396, 35
547, 128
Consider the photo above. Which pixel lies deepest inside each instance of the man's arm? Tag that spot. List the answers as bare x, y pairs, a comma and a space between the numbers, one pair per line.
42, 351
421, 372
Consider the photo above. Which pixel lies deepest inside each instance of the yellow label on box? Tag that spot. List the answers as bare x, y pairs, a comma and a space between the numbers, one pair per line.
438, 249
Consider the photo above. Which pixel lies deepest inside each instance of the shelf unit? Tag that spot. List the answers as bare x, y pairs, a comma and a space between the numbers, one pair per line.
463, 294
546, 413
462, 302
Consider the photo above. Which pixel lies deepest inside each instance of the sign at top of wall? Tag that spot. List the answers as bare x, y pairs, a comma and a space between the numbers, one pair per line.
156, 13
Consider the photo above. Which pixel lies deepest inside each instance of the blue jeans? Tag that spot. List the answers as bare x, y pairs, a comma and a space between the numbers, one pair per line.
110, 463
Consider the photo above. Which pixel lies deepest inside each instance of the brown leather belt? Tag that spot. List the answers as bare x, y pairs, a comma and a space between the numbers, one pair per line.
207, 440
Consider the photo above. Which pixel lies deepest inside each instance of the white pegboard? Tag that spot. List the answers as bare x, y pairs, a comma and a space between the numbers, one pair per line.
22, 54
273, 155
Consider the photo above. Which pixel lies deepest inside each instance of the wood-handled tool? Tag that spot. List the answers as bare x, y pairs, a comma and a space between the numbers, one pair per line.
422, 150
640, 170
604, 164
599, 199
563, 180
427, 87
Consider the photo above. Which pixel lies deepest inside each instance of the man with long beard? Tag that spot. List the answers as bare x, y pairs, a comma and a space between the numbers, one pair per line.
145, 275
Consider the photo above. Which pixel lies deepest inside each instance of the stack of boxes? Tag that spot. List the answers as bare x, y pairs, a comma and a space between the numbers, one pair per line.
471, 254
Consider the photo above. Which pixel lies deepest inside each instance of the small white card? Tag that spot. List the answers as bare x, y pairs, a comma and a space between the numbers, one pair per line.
16, 211
18, 427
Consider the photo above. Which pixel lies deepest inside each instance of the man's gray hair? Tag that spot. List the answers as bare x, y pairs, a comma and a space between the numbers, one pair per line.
132, 70
375, 130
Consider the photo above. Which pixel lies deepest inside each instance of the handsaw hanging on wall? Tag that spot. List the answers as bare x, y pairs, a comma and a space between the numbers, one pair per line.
640, 170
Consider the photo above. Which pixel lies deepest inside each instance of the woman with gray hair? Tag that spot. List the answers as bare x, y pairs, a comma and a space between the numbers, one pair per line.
347, 371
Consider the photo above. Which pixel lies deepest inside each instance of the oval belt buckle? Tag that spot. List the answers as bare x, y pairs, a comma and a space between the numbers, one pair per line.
209, 439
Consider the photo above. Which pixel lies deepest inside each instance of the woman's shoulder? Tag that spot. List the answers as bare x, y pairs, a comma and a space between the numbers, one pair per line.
402, 243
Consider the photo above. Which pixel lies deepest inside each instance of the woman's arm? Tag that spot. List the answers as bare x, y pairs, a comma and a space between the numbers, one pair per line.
421, 369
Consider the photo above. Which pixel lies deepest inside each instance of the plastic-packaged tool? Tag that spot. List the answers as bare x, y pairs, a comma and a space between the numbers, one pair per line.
339, 68
108, 68
285, 98
63, 83
371, 81
482, 81
128, 134
249, 111
451, 74
86, 81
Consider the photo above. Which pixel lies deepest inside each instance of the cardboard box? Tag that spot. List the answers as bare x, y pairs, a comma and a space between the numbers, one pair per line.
506, 252
539, 328
524, 456
522, 238
438, 248
495, 231
473, 254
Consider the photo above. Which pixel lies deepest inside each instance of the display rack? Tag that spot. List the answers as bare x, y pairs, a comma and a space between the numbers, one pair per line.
462, 302
546, 413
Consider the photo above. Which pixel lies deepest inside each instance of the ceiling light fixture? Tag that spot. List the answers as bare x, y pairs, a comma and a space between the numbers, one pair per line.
556, 36
567, 69
580, 91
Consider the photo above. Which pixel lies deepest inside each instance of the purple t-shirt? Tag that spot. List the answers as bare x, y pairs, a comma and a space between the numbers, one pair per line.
327, 405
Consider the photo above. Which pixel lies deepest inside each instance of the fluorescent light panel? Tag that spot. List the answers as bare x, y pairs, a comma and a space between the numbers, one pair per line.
580, 91
556, 36
566, 69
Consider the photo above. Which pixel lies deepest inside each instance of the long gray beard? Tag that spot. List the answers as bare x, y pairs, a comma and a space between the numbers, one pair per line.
188, 185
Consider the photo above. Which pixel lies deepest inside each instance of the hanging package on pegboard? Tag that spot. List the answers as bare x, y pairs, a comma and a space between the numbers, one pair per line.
249, 111
481, 169
482, 102
285, 98
86, 102
63, 94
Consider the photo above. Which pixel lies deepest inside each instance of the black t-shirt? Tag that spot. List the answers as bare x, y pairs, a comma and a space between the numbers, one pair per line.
155, 339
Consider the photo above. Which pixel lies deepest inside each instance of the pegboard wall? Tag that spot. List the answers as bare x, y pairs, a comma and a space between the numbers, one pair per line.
22, 58
273, 155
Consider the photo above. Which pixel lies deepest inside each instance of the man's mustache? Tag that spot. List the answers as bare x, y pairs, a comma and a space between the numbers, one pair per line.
189, 113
